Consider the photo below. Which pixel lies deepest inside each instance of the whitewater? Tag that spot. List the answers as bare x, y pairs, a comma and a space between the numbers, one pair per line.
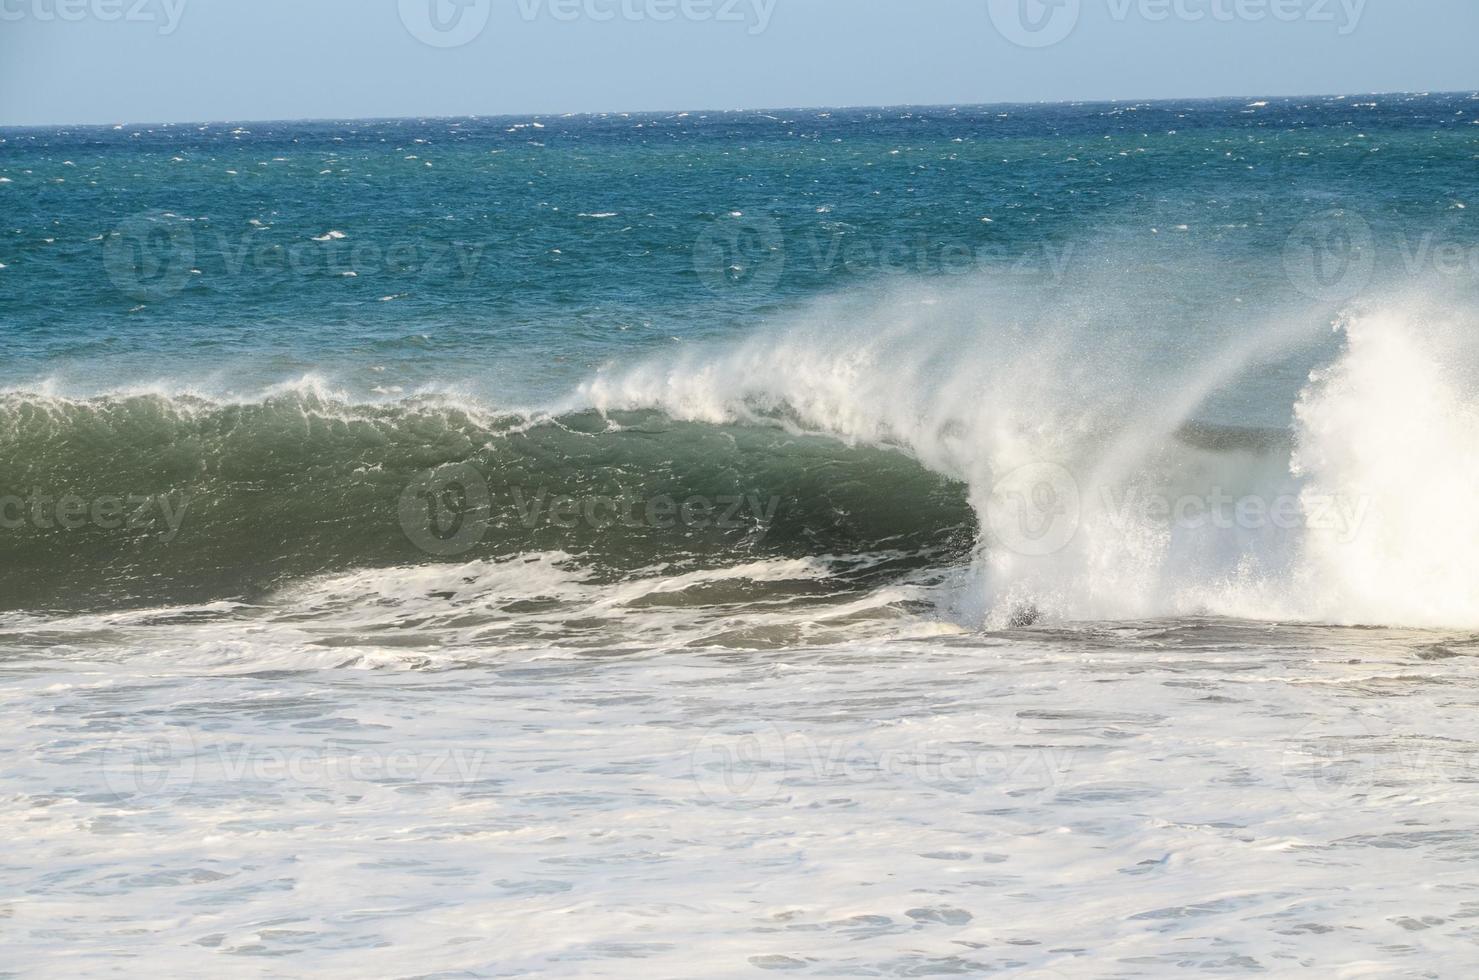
904, 756
610, 611
1056, 476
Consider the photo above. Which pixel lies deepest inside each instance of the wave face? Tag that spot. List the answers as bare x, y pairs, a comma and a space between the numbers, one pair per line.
1037, 363
1043, 474
1100, 497
147, 498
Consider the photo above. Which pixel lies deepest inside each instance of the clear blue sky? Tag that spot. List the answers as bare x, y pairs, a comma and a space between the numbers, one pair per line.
183, 60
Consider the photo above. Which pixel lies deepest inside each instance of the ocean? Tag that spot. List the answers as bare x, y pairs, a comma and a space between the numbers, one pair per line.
1034, 540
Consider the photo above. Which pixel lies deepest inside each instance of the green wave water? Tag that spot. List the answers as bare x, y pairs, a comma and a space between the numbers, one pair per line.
243, 355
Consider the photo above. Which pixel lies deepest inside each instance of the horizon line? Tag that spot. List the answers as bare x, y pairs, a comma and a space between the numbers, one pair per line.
116, 123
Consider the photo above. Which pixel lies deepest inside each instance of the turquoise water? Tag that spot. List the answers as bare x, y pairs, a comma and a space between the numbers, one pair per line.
477, 260
285, 323
1033, 541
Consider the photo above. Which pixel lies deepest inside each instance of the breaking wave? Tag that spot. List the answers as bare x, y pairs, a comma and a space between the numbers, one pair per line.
1039, 473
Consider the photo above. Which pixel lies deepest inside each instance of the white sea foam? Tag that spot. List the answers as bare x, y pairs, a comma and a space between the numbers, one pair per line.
1381, 528
1395, 421
1375, 463
308, 782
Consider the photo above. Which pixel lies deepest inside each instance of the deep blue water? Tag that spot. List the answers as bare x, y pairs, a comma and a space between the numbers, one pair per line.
480, 261
287, 322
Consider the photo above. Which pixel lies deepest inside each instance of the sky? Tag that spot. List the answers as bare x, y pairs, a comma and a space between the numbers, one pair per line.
112, 61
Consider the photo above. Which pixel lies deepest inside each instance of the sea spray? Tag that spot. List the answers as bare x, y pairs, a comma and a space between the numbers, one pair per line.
1358, 512
1396, 419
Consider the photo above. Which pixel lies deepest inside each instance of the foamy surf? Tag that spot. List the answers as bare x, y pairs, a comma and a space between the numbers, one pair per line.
944, 575
1058, 475
1356, 516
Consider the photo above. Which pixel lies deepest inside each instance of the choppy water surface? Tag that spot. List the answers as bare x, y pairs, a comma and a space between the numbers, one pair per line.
1022, 540
1135, 799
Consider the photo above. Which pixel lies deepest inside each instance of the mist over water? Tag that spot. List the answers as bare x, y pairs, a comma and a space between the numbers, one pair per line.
1042, 468
835, 542
1015, 403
